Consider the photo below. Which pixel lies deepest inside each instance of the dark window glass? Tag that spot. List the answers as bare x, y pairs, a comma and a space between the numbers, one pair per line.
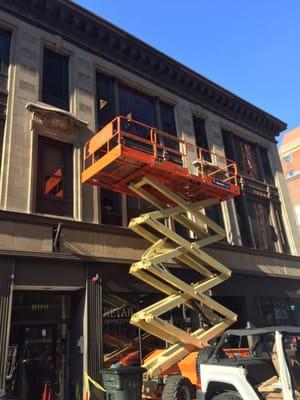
137, 206
281, 230
140, 107
168, 124
266, 165
228, 145
55, 177
263, 233
2, 124
200, 133
4, 51
243, 222
4, 65
55, 79
247, 159
4, 58
215, 213
105, 99
243, 153
201, 137
111, 207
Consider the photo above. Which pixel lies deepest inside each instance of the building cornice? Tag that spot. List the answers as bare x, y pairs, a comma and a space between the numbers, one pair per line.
99, 37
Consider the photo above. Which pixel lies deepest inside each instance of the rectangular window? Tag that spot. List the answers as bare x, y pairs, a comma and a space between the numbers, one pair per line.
243, 152
55, 89
105, 104
243, 222
111, 207
215, 213
137, 206
281, 233
291, 173
137, 105
248, 160
259, 213
228, 145
201, 137
55, 177
288, 159
4, 66
5, 38
2, 124
168, 124
268, 174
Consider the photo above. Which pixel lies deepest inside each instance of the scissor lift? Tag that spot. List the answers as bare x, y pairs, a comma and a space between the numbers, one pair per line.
179, 180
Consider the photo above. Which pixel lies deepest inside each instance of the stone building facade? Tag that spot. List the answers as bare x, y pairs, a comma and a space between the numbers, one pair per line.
65, 250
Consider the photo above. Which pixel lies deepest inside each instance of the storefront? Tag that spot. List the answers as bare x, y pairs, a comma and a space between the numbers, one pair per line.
43, 338
42, 344
68, 317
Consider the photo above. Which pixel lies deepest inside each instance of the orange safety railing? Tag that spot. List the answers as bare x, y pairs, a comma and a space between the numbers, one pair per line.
214, 165
161, 146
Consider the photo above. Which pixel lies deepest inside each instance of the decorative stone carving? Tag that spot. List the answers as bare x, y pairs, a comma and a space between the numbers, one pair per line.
50, 121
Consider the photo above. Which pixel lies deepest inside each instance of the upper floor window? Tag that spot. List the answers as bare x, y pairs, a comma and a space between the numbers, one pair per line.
4, 66
168, 124
55, 88
253, 161
105, 103
55, 177
137, 105
201, 137
291, 172
266, 166
247, 159
4, 51
288, 159
111, 207
262, 230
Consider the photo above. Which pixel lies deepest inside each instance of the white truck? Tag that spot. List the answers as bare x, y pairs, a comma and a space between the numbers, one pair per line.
265, 365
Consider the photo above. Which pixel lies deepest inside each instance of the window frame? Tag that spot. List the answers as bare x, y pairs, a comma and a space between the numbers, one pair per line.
291, 173
68, 56
4, 78
290, 158
42, 200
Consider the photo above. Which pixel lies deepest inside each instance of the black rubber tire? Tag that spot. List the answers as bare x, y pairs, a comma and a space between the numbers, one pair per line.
227, 396
178, 387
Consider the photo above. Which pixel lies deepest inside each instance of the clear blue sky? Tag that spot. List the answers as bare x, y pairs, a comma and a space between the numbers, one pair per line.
252, 48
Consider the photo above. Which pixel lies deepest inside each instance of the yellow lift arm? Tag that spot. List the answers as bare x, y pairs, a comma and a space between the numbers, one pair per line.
167, 246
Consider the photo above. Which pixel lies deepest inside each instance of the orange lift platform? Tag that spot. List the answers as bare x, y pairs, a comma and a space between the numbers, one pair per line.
179, 180
125, 151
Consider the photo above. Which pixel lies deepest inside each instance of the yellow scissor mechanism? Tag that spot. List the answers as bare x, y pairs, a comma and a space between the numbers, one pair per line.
167, 245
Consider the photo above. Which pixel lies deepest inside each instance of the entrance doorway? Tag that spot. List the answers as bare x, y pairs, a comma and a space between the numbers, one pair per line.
42, 342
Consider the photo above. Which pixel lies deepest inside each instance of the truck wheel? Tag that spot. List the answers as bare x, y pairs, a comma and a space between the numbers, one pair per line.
178, 387
227, 396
